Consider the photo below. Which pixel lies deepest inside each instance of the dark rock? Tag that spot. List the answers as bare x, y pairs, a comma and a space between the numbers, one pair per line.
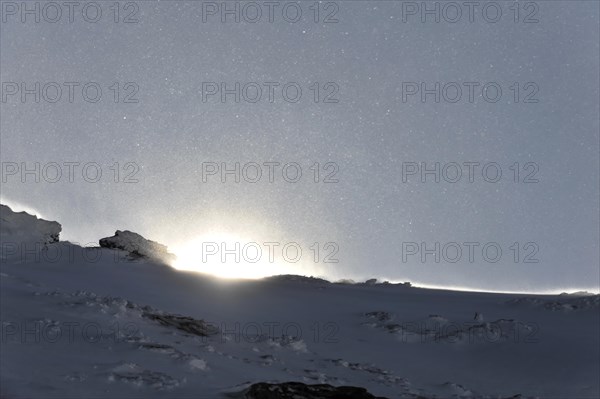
298, 390
183, 323
296, 278
379, 315
138, 246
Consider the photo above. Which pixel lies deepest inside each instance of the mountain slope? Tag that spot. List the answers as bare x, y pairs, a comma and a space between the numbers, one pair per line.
92, 322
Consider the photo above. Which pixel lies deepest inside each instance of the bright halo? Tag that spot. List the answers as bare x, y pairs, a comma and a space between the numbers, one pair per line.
231, 256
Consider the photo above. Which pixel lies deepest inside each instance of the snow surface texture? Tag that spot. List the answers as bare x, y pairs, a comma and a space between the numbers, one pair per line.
83, 323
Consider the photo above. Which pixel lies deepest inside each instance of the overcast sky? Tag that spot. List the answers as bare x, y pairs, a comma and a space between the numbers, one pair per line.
369, 133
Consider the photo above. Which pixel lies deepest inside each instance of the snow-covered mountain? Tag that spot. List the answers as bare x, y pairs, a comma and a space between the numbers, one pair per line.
101, 323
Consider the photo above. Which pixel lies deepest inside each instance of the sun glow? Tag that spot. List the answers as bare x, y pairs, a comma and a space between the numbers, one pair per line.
231, 256
18, 207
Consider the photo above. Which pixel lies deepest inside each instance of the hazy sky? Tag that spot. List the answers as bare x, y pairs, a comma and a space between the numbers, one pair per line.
376, 219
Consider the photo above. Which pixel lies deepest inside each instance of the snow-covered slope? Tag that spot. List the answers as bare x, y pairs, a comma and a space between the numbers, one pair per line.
82, 322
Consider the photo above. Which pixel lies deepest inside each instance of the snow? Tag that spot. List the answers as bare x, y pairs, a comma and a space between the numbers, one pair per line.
73, 328
137, 246
21, 227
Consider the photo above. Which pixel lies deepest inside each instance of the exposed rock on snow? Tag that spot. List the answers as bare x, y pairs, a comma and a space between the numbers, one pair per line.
117, 306
570, 302
436, 328
373, 281
293, 343
134, 374
298, 390
22, 227
138, 246
296, 278
379, 315
346, 281
183, 323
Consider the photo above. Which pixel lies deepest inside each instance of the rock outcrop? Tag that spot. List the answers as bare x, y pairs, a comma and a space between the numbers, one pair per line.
296, 278
298, 390
138, 246
21, 227
183, 323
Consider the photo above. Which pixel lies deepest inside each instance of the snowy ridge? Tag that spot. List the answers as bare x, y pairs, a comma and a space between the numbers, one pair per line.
73, 328
19, 227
